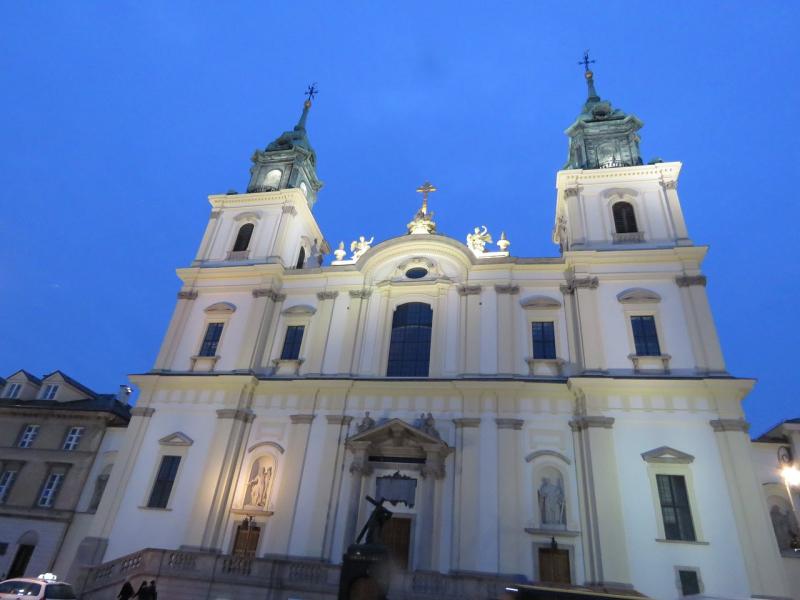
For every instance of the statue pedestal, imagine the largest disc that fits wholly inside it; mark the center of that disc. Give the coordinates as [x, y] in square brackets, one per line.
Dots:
[365, 573]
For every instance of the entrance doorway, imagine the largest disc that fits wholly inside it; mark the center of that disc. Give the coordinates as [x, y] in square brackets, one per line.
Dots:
[21, 560]
[245, 544]
[554, 565]
[396, 535]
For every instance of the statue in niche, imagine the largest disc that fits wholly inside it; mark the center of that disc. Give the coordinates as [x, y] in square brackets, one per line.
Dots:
[360, 246]
[785, 526]
[315, 258]
[258, 485]
[366, 423]
[551, 502]
[562, 232]
[477, 240]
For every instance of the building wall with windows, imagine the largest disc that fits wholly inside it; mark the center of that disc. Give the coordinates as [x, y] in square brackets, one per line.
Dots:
[513, 404]
[52, 430]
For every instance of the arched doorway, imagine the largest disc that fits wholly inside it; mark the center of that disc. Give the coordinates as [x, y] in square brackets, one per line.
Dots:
[25, 547]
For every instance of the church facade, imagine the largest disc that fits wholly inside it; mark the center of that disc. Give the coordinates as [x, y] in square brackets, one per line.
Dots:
[566, 419]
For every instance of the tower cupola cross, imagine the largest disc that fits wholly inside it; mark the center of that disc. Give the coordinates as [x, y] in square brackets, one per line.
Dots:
[586, 62]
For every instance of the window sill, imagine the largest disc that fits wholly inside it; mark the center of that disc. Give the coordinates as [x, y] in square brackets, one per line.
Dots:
[155, 508]
[241, 255]
[204, 363]
[692, 542]
[287, 367]
[546, 366]
[547, 532]
[658, 362]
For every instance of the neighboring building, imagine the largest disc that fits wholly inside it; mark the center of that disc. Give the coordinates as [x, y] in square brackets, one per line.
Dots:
[56, 437]
[775, 454]
[565, 419]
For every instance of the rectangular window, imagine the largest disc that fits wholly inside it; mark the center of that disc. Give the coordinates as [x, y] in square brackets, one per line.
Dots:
[544, 339]
[28, 436]
[165, 478]
[12, 391]
[675, 508]
[50, 391]
[211, 341]
[73, 438]
[7, 479]
[690, 582]
[50, 489]
[644, 336]
[292, 341]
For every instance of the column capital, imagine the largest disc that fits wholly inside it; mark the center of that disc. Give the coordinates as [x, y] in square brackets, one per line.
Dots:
[719, 425]
[689, 280]
[586, 422]
[187, 295]
[362, 294]
[338, 419]
[465, 422]
[469, 290]
[237, 414]
[669, 184]
[574, 283]
[301, 419]
[289, 209]
[515, 424]
[142, 411]
[507, 289]
[327, 295]
[269, 293]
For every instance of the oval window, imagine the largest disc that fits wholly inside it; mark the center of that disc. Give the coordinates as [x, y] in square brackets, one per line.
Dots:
[416, 273]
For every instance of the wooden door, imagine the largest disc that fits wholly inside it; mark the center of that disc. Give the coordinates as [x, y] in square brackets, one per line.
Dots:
[397, 537]
[246, 542]
[554, 565]
[21, 559]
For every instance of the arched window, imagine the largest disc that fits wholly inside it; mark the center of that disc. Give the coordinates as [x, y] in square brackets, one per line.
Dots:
[624, 218]
[243, 237]
[273, 179]
[301, 259]
[410, 347]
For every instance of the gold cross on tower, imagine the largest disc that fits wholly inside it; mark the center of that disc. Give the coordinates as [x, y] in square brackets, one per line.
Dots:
[425, 189]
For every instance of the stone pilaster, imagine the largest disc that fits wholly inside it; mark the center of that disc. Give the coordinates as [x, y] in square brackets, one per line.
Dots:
[177, 325]
[469, 326]
[320, 328]
[259, 321]
[510, 523]
[605, 547]
[466, 536]
[670, 189]
[760, 552]
[506, 306]
[360, 469]
[581, 297]
[290, 474]
[349, 359]
[698, 312]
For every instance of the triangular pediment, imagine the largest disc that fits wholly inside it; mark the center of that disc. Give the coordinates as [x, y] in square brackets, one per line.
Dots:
[396, 433]
[176, 439]
[665, 454]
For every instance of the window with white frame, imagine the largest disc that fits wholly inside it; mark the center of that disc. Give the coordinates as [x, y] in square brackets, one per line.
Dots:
[50, 490]
[28, 436]
[50, 391]
[12, 390]
[211, 339]
[165, 479]
[645, 335]
[7, 479]
[73, 438]
[544, 339]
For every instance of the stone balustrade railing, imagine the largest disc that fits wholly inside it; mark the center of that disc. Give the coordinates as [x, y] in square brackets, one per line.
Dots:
[182, 575]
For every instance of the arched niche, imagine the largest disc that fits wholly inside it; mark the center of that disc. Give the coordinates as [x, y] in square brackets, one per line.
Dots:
[221, 308]
[784, 523]
[257, 481]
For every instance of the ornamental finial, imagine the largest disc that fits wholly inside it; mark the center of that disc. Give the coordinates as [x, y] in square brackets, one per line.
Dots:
[312, 91]
[423, 220]
[587, 72]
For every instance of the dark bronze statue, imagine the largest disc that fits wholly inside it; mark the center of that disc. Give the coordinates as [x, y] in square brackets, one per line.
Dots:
[366, 568]
[374, 525]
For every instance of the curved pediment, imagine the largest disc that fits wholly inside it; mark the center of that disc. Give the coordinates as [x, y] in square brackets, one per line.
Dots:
[638, 296]
[539, 302]
[221, 308]
[409, 246]
[396, 433]
[300, 309]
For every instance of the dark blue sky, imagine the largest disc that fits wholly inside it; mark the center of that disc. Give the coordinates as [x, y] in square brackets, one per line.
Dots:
[118, 119]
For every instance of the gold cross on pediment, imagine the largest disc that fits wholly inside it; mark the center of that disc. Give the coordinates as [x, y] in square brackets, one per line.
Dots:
[425, 189]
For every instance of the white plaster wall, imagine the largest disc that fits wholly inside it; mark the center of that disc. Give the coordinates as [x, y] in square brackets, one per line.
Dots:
[652, 563]
[50, 534]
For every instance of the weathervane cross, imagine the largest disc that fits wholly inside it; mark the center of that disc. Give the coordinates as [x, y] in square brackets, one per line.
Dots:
[586, 62]
[311, 91]
[425, 189]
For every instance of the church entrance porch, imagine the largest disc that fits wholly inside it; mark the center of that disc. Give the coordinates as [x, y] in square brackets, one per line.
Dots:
[554, 565]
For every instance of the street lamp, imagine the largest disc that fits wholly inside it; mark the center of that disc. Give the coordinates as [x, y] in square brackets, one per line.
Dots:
[791, 476]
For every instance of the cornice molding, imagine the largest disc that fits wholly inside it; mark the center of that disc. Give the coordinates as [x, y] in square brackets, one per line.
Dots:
[466, 422]
[142, 411]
